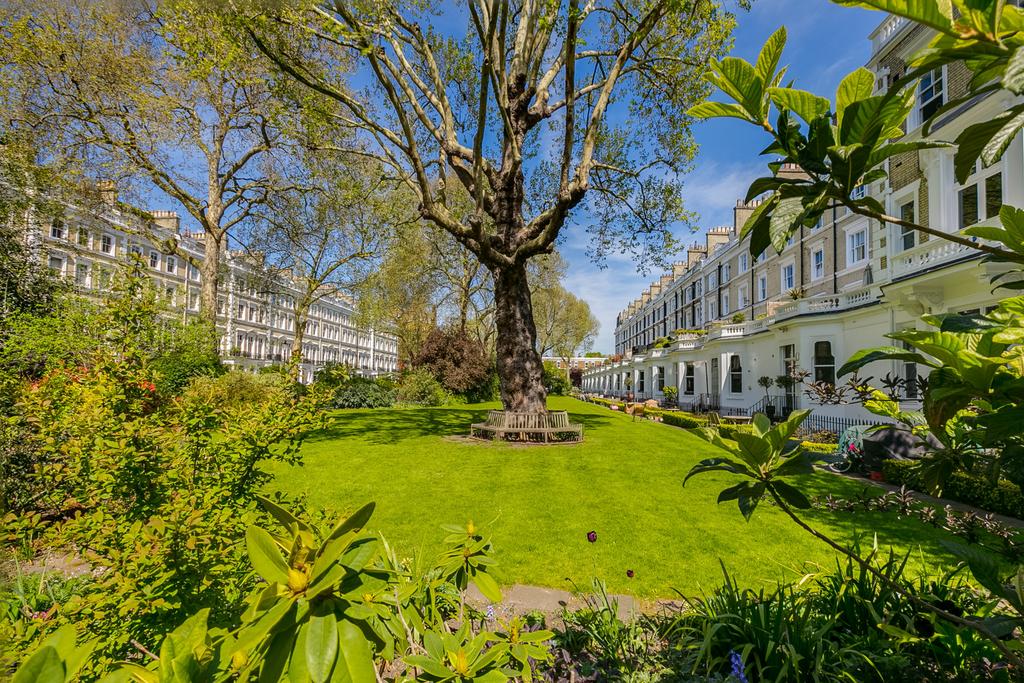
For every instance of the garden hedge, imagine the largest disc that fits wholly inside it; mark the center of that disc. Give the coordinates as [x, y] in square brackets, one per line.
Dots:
[815, 447]
[1005, 498]
[682, 420]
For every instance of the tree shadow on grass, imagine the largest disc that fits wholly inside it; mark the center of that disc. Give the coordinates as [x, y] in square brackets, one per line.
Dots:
[393, 425]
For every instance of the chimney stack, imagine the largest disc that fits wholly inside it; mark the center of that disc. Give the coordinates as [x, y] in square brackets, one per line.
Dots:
[168, 220]
[108, 192]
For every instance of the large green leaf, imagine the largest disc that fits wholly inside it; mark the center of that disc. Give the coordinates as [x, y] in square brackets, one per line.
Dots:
[785, 219]
[1013, 78]
[747, 494]
[985, 138]
[891, 149]
[710, 110]
[754, 450]
[998, 144]
[771, 53]
[321, 647]
[355, 661]
[783, 431]
[356, 521]
[797, 463]
[265, 557]
[756, 225]
[937, 14]
[283, 517]
[857, 85]
[738, 79]
[487, 585]
[44, 666]
[430, 666]
[791, 495]
[984, 568]
[181, 649]
[806, 105]
[867, 356]
[717, 464]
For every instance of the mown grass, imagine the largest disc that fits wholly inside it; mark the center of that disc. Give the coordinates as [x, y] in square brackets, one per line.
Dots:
[538, 503]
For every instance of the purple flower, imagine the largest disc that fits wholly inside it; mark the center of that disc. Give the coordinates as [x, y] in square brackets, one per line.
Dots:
[630, 573]
[592, 536]
[737, 666]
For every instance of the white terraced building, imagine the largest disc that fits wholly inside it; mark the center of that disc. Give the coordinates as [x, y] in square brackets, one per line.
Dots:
[255, 314]
[836, 288]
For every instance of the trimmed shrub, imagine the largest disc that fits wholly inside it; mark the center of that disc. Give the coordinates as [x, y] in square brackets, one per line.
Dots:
[682, 420]
[419, 387]
[363, 392]
[730, 431]
[1005, 498]
[815, 447]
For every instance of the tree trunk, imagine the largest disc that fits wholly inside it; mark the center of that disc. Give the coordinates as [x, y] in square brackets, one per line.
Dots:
[210, 277]
[301, 315]
[519, 365]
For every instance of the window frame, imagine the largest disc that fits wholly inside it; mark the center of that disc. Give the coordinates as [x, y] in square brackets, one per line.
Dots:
[790, 284]
[850, 247]
[735, 374]
[828, 367]
[920, 103]
[818, 269]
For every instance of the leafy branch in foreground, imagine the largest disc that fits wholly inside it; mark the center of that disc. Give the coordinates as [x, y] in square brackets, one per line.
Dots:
[760, 457]
[337, 606]
[842, 146]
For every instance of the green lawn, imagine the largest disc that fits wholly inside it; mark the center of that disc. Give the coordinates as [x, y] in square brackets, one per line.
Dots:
[538, 503]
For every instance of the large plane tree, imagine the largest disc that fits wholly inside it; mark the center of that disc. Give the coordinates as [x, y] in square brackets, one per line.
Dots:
[540, 109]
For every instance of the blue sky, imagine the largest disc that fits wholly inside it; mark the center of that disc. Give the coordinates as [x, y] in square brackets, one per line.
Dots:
[825, 43]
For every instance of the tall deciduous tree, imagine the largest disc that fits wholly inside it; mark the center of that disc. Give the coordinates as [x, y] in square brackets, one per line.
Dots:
[537, 106]
[325, 235]
[565, 324]
[153, 91]
[404, 292]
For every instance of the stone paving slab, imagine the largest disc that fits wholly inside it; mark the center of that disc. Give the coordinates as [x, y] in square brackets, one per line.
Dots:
[520, 599]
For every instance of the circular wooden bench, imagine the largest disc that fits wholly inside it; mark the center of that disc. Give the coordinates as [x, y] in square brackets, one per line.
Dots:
[548, 428]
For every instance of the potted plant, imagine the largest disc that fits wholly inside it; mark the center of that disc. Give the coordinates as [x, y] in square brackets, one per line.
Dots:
[766, 383]
[786, 383]
[671, 393]
[738, 318]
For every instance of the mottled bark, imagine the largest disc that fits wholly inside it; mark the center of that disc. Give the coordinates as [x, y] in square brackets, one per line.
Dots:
[210, 278]
[519, 365]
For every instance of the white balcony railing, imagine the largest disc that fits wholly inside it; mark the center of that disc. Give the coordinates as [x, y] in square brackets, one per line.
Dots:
[829, 302]
[886, 31]
[928, 255]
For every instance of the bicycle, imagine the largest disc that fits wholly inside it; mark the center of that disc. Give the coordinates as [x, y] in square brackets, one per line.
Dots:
[852, 459]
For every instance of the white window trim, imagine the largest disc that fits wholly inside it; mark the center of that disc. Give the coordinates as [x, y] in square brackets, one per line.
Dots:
[977, 178]
[915, 120]
[782, 276]
[818, 250]
[850, 261]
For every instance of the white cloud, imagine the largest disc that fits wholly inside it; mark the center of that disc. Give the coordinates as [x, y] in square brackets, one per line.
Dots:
[713, 187]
